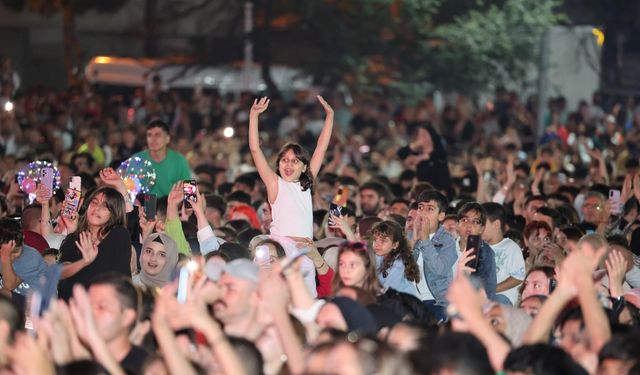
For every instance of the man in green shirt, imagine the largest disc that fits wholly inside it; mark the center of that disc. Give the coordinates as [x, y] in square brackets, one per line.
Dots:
[169, 165]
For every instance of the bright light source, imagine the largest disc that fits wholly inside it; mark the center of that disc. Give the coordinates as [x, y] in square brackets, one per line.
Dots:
[8, 106]
[192, 266]
[599, 34]
[364, 149]
[228, 132]
[102, 60]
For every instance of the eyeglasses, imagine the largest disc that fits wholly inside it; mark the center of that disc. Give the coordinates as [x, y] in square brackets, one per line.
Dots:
[593, 206]
[293, 161]
[470, 220]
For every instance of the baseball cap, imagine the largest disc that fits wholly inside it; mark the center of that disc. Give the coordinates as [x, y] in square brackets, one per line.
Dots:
[243, 269]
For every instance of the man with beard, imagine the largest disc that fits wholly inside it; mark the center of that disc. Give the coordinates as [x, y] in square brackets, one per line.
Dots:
[373, 198]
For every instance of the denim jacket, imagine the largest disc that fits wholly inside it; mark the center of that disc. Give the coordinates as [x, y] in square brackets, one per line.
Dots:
[396, 278]
[438, 257]
[486, 271]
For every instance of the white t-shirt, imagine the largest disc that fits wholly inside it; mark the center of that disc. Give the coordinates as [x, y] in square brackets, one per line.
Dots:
[509, 262]
[292, 212]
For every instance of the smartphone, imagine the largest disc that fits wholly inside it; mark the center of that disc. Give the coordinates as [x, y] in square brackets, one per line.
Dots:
[614, 199]
[72, 198]
[46, 179]
[189, 190]
[473, 242]
[262, 254]
[334, 210]
[183, 284]
[339, 201]
[150, 205]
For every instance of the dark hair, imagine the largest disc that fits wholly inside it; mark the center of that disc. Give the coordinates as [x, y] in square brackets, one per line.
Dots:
[306, 178]
[81, 367]
[29, 214]
[10, 231]
[279, 249]
[569, 213]
[381, 189]
[473, 206]
[88, 156]
[623, 347]
[239, 196]
[555, 216]
[573, 233]
[230, 234]
[541, 359]
[460, 352]
[159, 124]
[496, 211]
[238, 225]
[252, 360]
[246, 179]
[216, 202]
[115, 205]
[127, 293]
[51, 251]
[434, 196]
[246, 235]
[394, 232]
[617, 239]
[11, 313]
[420, 188]
[532, 198]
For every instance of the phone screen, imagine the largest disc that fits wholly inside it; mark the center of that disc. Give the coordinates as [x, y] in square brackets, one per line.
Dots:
[150, 204]
[473, 242]
[189, 190]
[262, 254]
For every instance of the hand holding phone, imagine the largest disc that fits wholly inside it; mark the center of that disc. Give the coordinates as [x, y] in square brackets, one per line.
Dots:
[150, 206]
[72, 198]
[189, 190]
[473, 243]
[46, 179]
[615, 201]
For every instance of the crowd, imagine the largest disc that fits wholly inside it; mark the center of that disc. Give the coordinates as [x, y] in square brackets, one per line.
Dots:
[324, 237]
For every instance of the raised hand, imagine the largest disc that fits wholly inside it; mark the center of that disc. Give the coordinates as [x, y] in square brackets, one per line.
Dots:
[5, 251]
[43, 194]
[146, 225]
[327, 108]
[109, 177]
[616, 266]
[636, 186]
[176, 195]
[87, 247]
[69, 223]
[259, 106]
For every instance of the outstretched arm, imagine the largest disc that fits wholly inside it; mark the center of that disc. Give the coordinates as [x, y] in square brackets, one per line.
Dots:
[323, 139]
[268, 176]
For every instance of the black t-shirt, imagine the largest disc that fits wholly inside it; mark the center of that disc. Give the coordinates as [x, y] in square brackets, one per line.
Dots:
[588, 227]
[132, 363]
[114, 255]
[435, 170]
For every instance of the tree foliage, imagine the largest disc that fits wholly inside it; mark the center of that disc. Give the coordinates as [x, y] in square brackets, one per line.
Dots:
[404, 46]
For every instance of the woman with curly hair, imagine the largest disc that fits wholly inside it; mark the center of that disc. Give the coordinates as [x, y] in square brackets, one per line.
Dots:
[396, 267]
